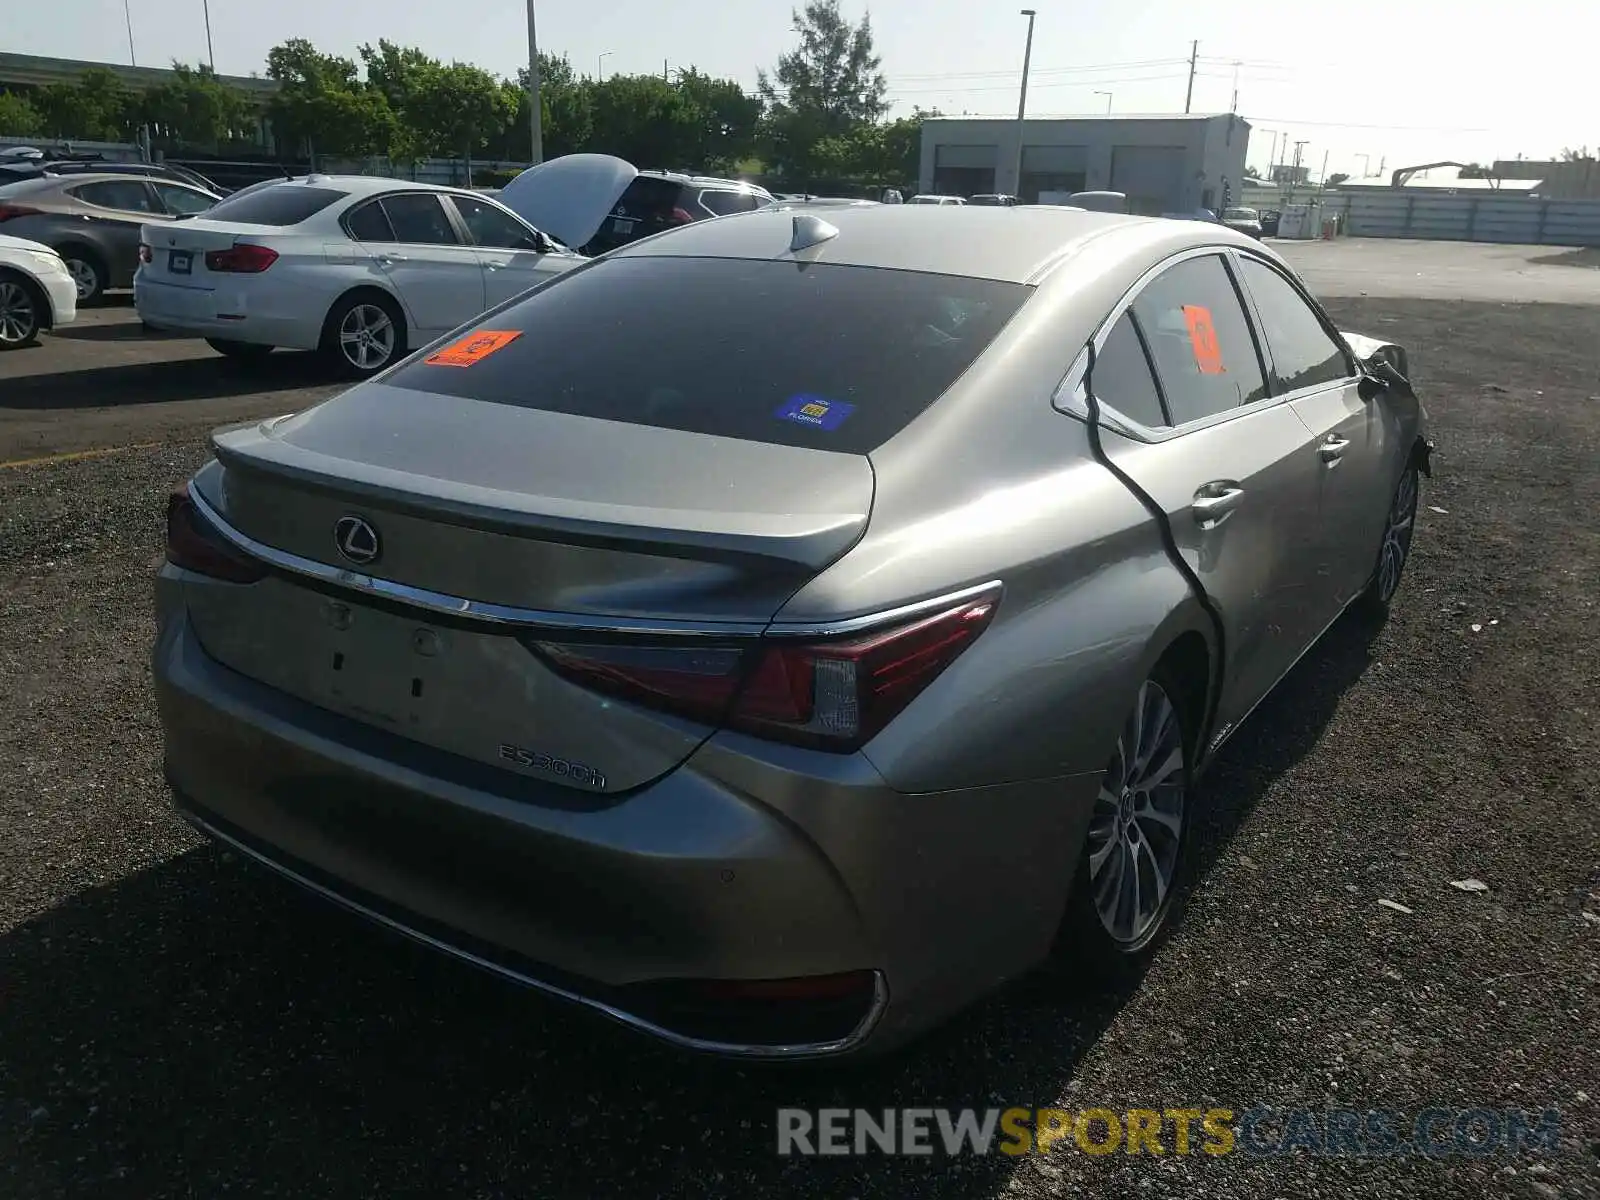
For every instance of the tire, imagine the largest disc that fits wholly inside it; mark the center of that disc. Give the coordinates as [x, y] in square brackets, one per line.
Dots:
[1395, 548]
[242, 351]
[88, 272]
[369, 313]
[1141, 819]
[22, 311]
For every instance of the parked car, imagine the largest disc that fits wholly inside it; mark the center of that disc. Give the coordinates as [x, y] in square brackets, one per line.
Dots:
[776, 660]
[638, 203]
[93, 221]
[1192, 214]
[1245, 220]
[360, 268]
[928, 198]
[1099, 201]
[1269, 221]
[16, 171]
[36, 291]
[991, 200]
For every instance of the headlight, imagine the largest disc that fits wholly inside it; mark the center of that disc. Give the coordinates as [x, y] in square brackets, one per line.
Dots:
[48, 262]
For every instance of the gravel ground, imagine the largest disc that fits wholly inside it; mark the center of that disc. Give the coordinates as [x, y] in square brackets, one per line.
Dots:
[175, 1023]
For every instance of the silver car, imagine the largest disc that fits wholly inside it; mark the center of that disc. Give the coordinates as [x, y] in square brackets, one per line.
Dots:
[777, 633]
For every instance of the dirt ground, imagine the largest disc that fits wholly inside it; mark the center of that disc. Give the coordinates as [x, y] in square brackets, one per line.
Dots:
[175, 1023]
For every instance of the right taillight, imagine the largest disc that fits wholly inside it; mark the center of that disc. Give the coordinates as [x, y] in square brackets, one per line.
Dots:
[832, 693]
[680, 216]
[241, 259]
[146, 254]
[193, 545]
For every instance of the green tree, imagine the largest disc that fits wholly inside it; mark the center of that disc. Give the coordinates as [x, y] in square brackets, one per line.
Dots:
[95, 107]
[323, 105]
[401, 74]
[1251, 173]
[721, 121]
[828, 87]
[566, 108]
[1335, 179]
[19, 118]
[457, 109]
[641, 118]
[195, 108]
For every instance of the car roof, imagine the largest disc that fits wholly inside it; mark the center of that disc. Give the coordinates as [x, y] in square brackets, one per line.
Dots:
[45, 183]
[1017, 245]
[363, 185]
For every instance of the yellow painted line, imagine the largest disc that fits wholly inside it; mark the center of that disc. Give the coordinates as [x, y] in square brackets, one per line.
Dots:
[76, 455]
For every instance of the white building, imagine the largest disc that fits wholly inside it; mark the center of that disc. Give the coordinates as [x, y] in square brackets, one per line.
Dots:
[1163, 163]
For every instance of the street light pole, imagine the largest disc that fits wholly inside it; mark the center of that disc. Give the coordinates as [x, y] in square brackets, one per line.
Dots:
[211, 55]
[535, 117]
[600, 63]
[1107, 95]
[128, 17]
[1022, 98]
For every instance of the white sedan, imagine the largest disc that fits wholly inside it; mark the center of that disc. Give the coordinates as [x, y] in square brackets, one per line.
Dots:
[36, 291]
[360, 268]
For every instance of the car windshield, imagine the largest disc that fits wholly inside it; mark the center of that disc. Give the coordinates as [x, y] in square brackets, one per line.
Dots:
[1241, 214]
[277, 204]
[832, 357]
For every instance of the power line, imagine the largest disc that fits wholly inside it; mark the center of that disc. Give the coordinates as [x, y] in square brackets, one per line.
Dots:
[1087, 68]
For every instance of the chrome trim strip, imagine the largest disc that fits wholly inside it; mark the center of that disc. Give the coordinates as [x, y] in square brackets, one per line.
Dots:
[887, 617]
[880, 989]
[533, 618]
[458, 606]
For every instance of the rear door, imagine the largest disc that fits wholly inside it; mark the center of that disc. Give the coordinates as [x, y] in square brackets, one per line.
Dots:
[1358, 443]
[118, 208]
[436, 275]
[1193, 423]
[508, 250]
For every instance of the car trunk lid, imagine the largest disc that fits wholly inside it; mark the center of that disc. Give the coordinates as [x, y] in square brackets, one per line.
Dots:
[178, 249]
[493, 525]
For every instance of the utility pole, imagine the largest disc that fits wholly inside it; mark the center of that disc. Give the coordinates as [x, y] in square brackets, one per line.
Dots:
[1272, 158]
[665, 73]
[1366, 164]
[128, 16]
[1324, 177]
[211, 55]
[535, 116]
[1194, 57]
[1022, 98]
[1236, 67]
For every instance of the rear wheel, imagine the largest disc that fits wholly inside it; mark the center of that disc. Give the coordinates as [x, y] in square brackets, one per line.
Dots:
[243, 351]
[88, 273]
[1128, 876]
[364, 334]
[21, 313]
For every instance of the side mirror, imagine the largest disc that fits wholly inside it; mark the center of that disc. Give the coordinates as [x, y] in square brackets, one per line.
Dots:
[1380, 375]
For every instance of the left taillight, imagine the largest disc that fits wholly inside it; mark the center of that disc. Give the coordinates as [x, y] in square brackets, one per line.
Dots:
[146, 254]
[195, 546]
[680, 216]
[831, 694]
[241, 259]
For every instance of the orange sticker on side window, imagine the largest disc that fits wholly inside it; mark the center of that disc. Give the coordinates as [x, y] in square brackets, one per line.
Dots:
[1203, 337]
[473, 348]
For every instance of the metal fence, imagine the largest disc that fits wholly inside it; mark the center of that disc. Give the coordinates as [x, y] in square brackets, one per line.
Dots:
[1473, 218]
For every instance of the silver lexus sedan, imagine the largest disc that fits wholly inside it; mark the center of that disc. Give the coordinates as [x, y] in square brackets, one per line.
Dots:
[778, 632]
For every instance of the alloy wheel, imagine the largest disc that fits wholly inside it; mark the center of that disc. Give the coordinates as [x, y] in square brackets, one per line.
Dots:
[366, 337]
[1136, 829]
[84, 277]
[1397, 536]
[19, 319]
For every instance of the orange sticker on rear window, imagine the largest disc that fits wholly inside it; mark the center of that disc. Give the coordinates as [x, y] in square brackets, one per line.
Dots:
[1203, 337]
[473, 348]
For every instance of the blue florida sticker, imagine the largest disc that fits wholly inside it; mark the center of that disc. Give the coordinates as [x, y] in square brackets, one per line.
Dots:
[815, 411]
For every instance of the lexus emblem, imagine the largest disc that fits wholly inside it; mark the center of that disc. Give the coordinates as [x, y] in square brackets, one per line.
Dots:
[357, 540]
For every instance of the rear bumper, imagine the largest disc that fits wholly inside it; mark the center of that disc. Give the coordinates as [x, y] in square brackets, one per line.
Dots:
[234, 316]
[725, 869]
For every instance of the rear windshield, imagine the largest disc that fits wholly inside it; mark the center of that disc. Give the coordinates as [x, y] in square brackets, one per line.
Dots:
[1241, 214]
[834, 357]
[286, 204]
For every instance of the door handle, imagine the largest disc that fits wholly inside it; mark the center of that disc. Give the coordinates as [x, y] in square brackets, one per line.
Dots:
[1332, 450]
[1214, 502]
[386, 259]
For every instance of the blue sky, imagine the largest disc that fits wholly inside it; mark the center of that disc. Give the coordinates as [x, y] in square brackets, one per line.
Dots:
[1390, 79]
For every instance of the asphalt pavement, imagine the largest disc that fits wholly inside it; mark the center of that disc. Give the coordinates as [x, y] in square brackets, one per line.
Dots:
[173, 1022]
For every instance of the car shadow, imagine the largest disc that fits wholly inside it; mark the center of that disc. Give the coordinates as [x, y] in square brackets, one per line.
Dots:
[157, 383]
[201, 1020]
[116, 331]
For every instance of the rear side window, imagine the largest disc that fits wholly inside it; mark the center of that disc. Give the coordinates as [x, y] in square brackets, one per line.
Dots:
[367, 223]
[124, 195]
[418, 217]
[648, 195]
[1122, 378]
[1303, 354]
[724, 203]
[182, 201]
[1204, 353]
[833, 357]
[283, 205]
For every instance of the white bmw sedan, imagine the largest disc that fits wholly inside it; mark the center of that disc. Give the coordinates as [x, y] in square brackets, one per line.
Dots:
[359, 268]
